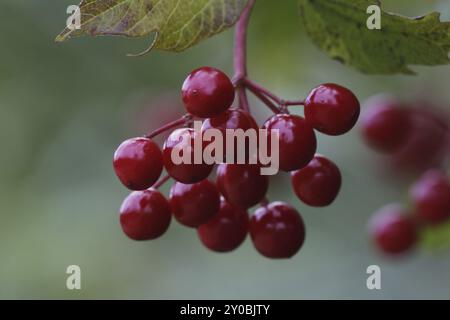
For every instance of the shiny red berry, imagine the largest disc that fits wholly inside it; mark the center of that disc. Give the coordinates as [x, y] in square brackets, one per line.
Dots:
[226, 230]
[242, 185]
[145, 215]
[232, 119]
[431, 197]
[179, 159]
[138, 163]
[194, 204]
[277, 230]
[393, 230]
[207, 92]
[318, 183]
[332, 109]
[385, 125]
[297, 140]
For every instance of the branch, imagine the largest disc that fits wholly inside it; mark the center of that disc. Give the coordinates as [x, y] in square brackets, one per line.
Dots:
[240, 45]
[240, 54]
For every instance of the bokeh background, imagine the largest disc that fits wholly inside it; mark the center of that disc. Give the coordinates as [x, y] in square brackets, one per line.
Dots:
[64, 109]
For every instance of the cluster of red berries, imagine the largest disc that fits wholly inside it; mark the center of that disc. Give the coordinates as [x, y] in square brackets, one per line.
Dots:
[396, 229]
[219, 211]
[416, 139]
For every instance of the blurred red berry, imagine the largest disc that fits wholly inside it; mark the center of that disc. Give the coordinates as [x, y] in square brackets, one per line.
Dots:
[393, 230]
[385, 125]
[431, 197]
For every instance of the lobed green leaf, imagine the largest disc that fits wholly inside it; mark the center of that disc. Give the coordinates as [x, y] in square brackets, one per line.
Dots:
[178, 24]
[339, 27]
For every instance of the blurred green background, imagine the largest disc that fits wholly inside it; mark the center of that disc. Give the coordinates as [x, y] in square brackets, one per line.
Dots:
[65, 108]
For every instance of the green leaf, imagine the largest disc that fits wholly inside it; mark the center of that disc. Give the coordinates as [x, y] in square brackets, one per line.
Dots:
[339, 27]
[178, 24]
[436, 238]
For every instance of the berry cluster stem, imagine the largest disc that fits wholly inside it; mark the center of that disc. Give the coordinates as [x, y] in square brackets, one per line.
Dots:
[264, 99]
[240, 55]
[253, 86]
[161, 182]
[241, 80]
[184, 120]
[288, 103]
[264, 202]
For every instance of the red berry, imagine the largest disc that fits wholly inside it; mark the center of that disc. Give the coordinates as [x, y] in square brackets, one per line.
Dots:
[232, 119]
[297, 140]
[332, 109]
[242, 185]
[277, 230]
[393, 230]
[431, 197]
[145, 215]
[207, 92]
[183, 141]
[426, 145]
[138, 163]
[318, 183]
[194, 204]
[385, 125]
[226, 230]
